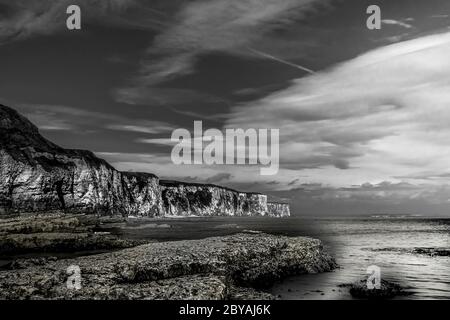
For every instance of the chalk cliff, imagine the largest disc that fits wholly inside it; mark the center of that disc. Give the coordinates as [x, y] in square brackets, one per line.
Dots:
[277, 209]
[184, 199]
[39, 176]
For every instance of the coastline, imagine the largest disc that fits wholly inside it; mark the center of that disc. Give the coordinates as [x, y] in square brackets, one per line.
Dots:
[235, 266]
[354, 243]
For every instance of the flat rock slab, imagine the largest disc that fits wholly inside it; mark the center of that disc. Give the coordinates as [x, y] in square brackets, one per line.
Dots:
[211, 268]
[56, 222]
[56, 232]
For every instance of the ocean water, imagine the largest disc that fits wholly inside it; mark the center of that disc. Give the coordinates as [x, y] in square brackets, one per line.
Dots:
[356, 243]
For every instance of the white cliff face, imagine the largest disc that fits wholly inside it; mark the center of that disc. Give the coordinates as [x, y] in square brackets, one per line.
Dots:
[182, 199]
[38, 176]
[276, 209]
[186, 199]
[144, 190]
[72, 182]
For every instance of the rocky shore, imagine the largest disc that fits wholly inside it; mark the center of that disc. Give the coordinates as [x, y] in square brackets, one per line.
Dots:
[55, 233]
[230, 267]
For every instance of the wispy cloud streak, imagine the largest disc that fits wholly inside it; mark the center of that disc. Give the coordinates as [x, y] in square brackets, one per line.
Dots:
[271, 57]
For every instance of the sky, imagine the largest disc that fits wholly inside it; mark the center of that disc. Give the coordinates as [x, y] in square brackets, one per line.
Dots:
[363, 114]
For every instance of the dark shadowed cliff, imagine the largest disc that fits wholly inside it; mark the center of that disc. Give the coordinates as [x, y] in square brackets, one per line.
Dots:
[39, 176]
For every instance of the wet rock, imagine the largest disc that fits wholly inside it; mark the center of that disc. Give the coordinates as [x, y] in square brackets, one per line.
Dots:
[387, 290]
[440, 252]
[211, 268]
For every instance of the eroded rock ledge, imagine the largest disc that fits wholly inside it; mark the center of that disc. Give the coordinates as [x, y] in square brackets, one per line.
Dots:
[214, 268]
[57, 233]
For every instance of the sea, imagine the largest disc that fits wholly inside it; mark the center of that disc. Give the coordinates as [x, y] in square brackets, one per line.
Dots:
[357, 243]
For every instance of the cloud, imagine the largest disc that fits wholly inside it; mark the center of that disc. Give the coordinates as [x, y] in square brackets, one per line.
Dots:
[185, 30]
[160, 141]
[382, 190]
[201, 27]
[381, 115]
[440, 16]
[24, 18]
[60, 117]
[370, 199]
[241, 177]
[65, 118]
[396, 23]
[305, 198]
[150, 127]
[427, 176]
[161, 97]
[220, 177]
[218, 25]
